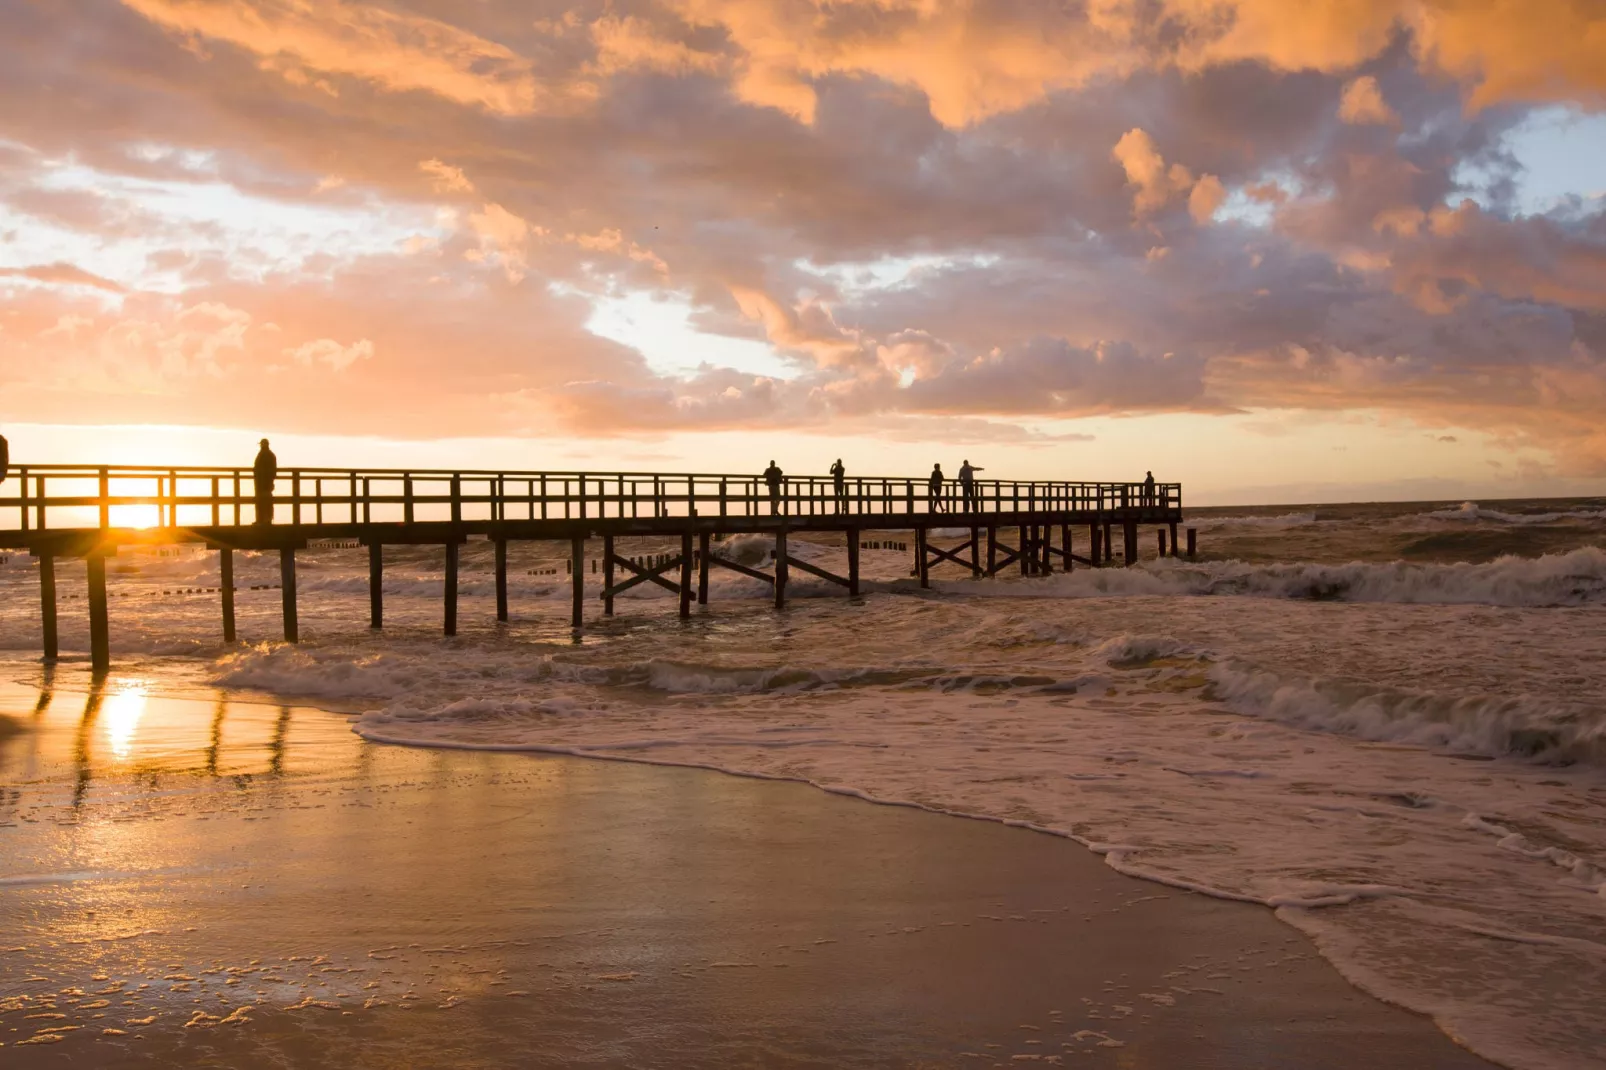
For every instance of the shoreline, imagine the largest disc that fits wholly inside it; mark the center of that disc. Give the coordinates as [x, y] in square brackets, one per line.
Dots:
[1082, 868]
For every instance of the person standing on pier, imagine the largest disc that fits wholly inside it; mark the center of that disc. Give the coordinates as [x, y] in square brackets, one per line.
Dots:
[839, 483]
[263, 473]
[967, 483]
[773, 476]
[1148, 489]
[935, 485]
[5, 458]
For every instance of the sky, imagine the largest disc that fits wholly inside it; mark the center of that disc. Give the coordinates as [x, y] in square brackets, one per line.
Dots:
[1335, 250]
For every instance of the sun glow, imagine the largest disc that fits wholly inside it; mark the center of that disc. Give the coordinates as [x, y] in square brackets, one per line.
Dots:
[122, 713]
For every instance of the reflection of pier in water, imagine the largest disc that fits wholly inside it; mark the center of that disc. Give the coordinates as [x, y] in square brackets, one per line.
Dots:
[66, 511]
[110, 721]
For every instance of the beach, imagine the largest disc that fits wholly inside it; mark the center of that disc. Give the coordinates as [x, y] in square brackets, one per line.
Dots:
[234, 884]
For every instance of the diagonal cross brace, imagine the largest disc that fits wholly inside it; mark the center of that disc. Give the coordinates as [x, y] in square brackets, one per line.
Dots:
[721, 562]
[1007, 557]
[939, 555]
[815, 570]
[644, 575]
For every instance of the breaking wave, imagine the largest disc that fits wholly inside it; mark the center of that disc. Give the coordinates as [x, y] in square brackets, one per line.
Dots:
[1571, 579]
[1472, 512]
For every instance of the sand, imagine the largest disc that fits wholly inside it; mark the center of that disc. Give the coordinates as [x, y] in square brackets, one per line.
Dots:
[241, 885]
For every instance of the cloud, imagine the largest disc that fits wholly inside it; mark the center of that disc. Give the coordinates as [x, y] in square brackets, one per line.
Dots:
[63, 274]
[979, 215]
[1363, 103]
[445, 178]
[331, 353]
[303, 41]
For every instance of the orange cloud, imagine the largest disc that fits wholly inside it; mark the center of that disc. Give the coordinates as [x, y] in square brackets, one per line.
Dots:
[346, 38]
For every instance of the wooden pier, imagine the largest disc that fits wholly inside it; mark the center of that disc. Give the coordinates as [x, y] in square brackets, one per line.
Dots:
[70, 511]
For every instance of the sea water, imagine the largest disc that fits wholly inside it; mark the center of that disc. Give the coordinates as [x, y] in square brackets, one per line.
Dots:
[1385, 722]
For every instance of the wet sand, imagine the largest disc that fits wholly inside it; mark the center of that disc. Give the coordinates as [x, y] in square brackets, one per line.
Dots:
[240, 885]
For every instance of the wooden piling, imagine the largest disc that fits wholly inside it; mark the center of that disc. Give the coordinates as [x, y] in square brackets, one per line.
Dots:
[1174, 551]
[376, 585]
[1025, 550]
[501, 580]
[577, 574]
[992, 551]
[607, 575]
[47, 605]
[1129, 531]
[1065, 547]
[975, 553]
[1193, 544]
[1109, 543]
[924, 567]
[1161, 534]
[853, 564]
[100, 658]
[780, 569]
[686, 593]
[225, 577]
[287, 580]
[451, 589]
[1045, 546]
[1095, 545]
[702, 568]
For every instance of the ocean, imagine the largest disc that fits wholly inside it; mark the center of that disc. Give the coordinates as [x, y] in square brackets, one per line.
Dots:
[1386, 722]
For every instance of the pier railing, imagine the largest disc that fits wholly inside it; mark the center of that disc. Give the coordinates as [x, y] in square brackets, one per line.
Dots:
[55, 497]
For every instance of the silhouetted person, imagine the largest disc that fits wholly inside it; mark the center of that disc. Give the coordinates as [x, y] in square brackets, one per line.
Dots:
[1148, 489]
[839, 482]
[935, 484]
[773, 476]
[967, 483]
[263, 473]
[5, 458]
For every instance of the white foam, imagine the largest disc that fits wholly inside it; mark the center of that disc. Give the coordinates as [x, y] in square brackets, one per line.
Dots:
[1574, 578]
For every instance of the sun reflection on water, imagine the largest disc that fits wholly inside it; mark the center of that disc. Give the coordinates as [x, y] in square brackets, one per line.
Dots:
[121, 715]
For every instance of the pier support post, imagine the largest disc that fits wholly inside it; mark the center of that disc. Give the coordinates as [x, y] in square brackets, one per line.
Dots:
[1161, 534]
[1193, 543]
[992, 551]
[577, 575]
[1095, 546]
[376, 585]
[975, 553]
[685, 575]
[853, 563]
[287, 580]
[924, 567]
[47, 605]
[702, 568]
[225, 579]
[100, 658]
[501, 580]
[607, 575]
[780, 569]
[1109, 543]
[1065, 546]
[1025, 550]
[451, 589]
[1130, 542]
[1045, 544]
[1174, 551]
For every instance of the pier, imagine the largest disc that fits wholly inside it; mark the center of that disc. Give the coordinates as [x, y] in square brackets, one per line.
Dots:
[90, 512]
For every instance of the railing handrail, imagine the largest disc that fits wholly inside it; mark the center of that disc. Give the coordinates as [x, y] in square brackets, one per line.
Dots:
[88, 471]
[94, 494]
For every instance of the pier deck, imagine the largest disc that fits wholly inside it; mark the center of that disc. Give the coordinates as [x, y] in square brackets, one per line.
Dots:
[90, 512]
